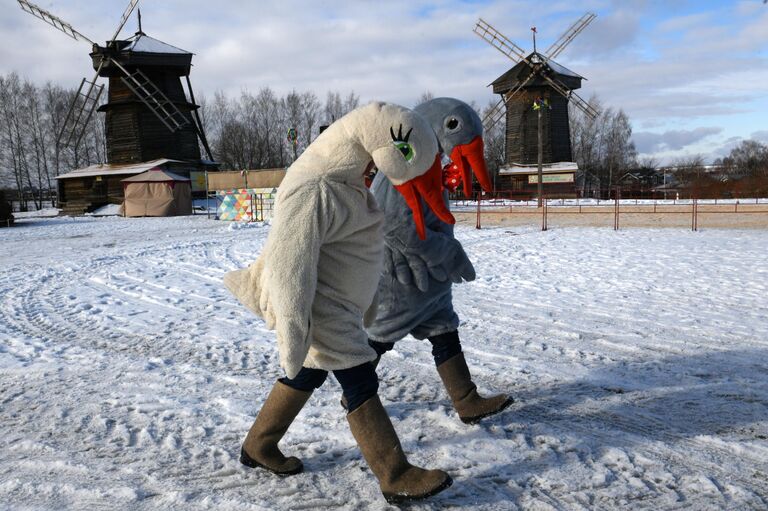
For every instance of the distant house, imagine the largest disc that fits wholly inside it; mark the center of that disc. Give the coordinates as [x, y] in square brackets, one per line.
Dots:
[558, 180]
[644, 177]
[587, 184]
[640, 183]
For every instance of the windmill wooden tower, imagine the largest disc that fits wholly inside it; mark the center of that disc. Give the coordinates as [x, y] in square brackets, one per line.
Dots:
[148, 116]
[535, 77]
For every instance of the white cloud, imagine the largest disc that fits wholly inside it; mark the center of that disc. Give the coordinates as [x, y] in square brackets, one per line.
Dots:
[665, 67]
[673, 140]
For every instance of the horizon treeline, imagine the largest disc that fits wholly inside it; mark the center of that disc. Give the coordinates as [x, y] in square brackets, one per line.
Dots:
[251, 131]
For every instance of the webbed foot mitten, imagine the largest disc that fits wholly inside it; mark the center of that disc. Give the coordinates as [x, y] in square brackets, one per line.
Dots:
[399, 480]
[260, 446]
[470, 406]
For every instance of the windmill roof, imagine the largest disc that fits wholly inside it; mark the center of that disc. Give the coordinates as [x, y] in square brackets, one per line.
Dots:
[513, 73]
[560, 69]
[142, 43]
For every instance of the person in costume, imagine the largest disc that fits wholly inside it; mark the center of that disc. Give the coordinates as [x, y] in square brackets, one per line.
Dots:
[317, 275]
[414, 295]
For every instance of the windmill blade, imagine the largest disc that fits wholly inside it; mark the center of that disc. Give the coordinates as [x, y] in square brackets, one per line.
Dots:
[52, 20]
[149, 94]
[561, 89]
[493, 117]
[568, 36]
[584, 106]
[80, 112]
[499, 41]
[199, 122]
[497, 112]
[124, 18]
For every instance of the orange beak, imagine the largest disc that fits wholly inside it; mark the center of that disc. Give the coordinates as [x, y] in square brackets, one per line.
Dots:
[471, 158]
[427, 186]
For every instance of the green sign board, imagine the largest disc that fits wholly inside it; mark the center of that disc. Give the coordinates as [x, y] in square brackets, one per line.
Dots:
[551, 178]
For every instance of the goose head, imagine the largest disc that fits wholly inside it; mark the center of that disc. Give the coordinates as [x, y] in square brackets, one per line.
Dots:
[402, 144]
[460, 133]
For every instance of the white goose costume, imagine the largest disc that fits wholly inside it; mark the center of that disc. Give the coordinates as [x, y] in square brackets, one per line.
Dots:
[320, 267]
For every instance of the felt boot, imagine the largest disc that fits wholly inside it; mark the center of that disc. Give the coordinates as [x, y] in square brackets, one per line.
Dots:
[470, 406]
[278, 412]
[399, 480]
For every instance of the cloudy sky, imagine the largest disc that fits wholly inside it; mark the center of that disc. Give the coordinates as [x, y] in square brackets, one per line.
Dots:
[691, 74]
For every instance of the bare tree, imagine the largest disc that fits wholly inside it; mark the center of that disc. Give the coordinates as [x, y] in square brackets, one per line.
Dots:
[250, 132]
[749, 159]
[14, 140]
[427, 95]
[602, 146]
[335, 107]
[689, 173]
[494, 140]
[310, 113]
[619, 153]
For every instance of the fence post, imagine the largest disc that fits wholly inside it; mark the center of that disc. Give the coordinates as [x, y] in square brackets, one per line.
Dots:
[207, 197]
[477, 225]
[694, 215]
[543, 213]
[616, 209]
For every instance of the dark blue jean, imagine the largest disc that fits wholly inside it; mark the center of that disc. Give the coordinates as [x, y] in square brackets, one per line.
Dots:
[444, 346]
[358, 383]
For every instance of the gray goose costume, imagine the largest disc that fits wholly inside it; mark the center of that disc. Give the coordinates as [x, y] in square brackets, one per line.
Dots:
[414, 294]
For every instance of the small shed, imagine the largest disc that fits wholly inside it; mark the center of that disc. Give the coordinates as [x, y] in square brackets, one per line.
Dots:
[157, 193]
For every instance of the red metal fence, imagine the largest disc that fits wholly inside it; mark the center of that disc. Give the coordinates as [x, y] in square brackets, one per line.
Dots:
[517, 205]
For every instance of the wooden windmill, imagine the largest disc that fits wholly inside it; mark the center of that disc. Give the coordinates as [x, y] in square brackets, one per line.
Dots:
[148, 115]
[543, 136]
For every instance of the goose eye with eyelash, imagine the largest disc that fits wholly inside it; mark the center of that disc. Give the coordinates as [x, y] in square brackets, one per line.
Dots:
[406, 150]
[452, 124]
[401, 143]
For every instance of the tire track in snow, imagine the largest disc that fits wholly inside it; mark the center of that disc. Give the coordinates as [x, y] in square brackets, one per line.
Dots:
[44, 311]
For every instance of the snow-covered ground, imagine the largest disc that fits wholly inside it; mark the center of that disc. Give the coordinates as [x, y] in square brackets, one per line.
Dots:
[638, 359]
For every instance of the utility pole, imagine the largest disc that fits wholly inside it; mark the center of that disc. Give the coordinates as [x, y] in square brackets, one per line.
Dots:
[540, 159]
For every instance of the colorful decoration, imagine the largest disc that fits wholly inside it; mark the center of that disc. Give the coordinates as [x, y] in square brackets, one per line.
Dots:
[540, 103]
[246, 204]
[293, 136]
[451, 177]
